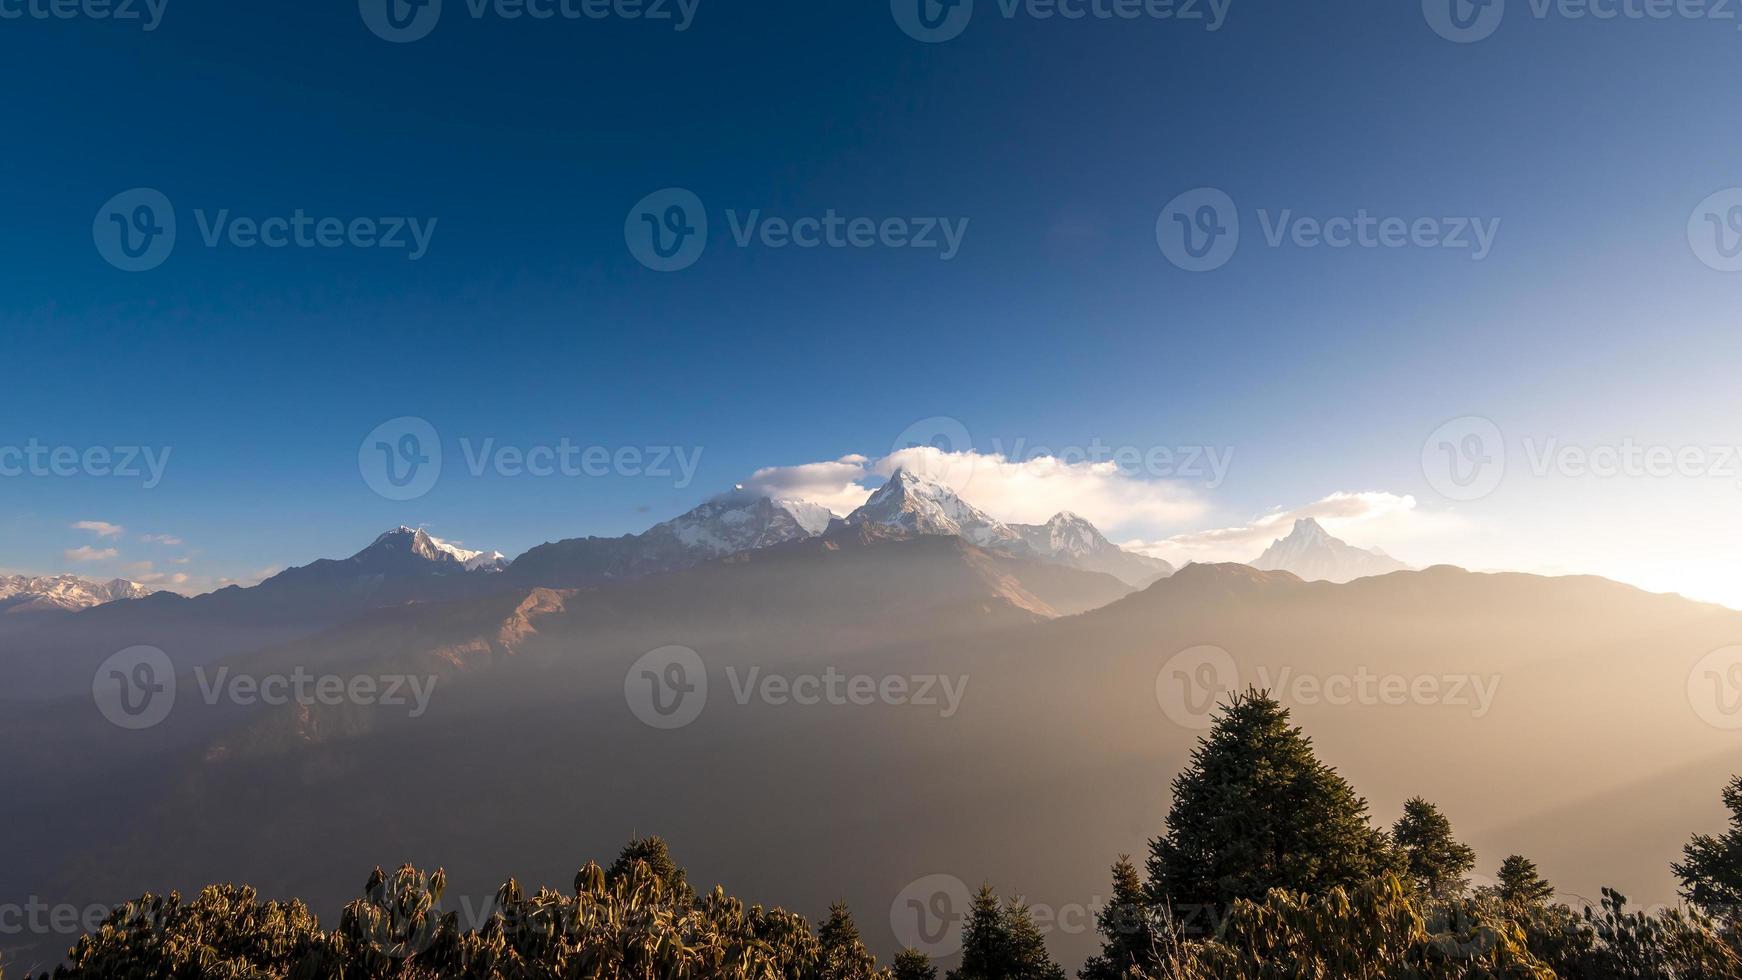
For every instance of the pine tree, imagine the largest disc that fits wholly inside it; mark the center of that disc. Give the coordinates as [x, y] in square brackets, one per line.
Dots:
[844, 956]
[653, 852]
[1128, 934]
[1255, 810]
[1438, 862]
[984, 939]
[911, 964]
[1001, 942]
[1711, 869]
[1521, 884]
[1027, 958]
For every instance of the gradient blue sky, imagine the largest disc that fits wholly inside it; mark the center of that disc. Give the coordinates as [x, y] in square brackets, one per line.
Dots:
[1060, 323]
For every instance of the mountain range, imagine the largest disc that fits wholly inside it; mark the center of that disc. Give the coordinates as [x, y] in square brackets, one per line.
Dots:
[52, 656]
[25, 594]
[410, 565]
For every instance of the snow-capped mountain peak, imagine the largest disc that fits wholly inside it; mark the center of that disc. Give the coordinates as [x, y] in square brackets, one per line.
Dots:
[740, 520]
[1312, 553]
[1065, 534]
[409, 542]
[1072, 540]
[47, 593]
[921, 505]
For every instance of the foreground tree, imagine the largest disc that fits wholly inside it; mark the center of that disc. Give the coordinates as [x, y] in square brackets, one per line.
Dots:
[1437, 861]
[1001, 942]
[1129, 938]
[1520, 884]
[1256, 810]
[652, 852]
[911, 964]
[1711, 867]
[843, 952]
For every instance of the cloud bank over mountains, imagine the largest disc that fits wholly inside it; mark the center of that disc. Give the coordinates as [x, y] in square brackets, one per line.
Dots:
[1022, 491]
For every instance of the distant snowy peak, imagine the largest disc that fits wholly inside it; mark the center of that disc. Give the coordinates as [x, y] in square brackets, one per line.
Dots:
[742, 521]
[404, 543]
[920, 505]
[1065, 535]
[474, 561]
[1072, 540]
[27, 594]
[1312, 553]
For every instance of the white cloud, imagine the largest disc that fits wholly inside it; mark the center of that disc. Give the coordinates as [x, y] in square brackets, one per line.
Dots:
[1018, 491]
[834, 484]
[87, 553]
[169, 539]
[1363, 519]
[159, 578]
[102, 529]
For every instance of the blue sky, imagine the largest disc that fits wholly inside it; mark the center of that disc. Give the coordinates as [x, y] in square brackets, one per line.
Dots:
[1060, 322]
